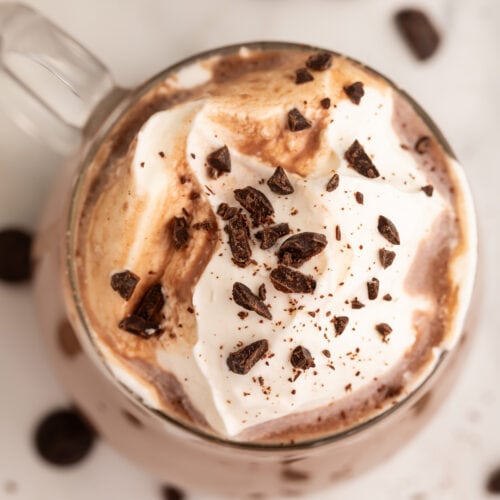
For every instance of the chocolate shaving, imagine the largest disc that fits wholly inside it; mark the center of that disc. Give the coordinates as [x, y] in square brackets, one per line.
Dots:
[359, 197]
[355, 92]
[139, 326]
[242, 360]
[226, 212]
[279, 183]
[180, 232]
[244, 297]
[256, 204]
[301, 247]
[384, 329]
[339, 323]
[320, 61]
[428, 190]
[326, 353]
[269, 235]
[373, 287]
[219, 162]
[301, 358]
[325, 103]
[124, 283]
[388, 230]
[289, 280]
[338, 233]
[238, 231]
[387, 297]
[360, 161]
[333, 183]
[296, 121]
[303, 76]
[386, 257]
[423, 145]
[205, 225]
[151, 302]
[356, 304]
[262, 292]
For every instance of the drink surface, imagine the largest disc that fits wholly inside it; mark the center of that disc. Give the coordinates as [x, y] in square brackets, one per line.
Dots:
[270, 304]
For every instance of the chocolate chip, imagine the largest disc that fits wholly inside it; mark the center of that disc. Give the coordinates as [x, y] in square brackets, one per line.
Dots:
[423, 145]
[63, 437]
[180, 232]
[289, 280]
[256, 204]
[141, 327]
[373, 287]
[301, 358]
[388, 230]
[151, 303]
[384, 329]
[418, 31]
[296, 121]
[359, 197]
[333, 183]
[303, 76]
[242, 360]
[360, 161]
[238, 232]
[219, 162]
[338, 233]
[244, 297]
[269, 235]
[262, 292]
[356, 304]
[319, 61]
[15, 251]
[325, 103]
[386, 257]
[301, 247]
[428, 190]
[124, 283]
[339, 323]
[493, 483]
[387, 297]
[279, 183]
[172, 493]
[355, 92]
[226, 212]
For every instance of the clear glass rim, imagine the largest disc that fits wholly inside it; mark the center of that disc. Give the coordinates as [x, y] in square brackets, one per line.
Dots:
[69, 261]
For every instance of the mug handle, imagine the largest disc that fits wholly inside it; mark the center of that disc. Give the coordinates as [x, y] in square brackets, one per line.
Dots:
[50, 83]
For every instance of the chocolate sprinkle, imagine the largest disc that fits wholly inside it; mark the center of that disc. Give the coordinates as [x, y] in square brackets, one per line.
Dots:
[242, 360]
[296, 121]
[301, 358]
[325, 103]
[388, 230]
[15, 251]
[386, 257]
[262, 292]
[373, 287]
[256, 204]
[180, 232]
[428, 190]
[151, 303]
[320, 61]
[360, 161]
[423, 145]
[303, 76]
[269, 235]
[356, 304]
[339, 323]
[418, 31]
[333, 183]
[141, 327]
[355, 92]
[279, 183]
[124, 283]
[244, 297]
[289, 280]
[301, 247]
[219, 162]
[338, 233]
[226, 212]
[359, 197]
[384, 329]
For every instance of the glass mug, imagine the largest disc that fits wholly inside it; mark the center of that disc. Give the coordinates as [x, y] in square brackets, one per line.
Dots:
[168, 448]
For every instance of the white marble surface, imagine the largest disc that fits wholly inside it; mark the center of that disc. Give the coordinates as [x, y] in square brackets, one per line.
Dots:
[450, 459]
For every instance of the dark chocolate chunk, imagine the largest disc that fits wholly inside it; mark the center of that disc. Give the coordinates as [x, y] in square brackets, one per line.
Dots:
[360, 161]
[289, 280]
[296, 121]
[301, 247]
[15, 255]
[359, 197]
[238, 231]
[226, 212]
[355, 92]
[172, 493]
[262, 292]
[423, 145]
[151, 302]
[242, 360]
[180, 232]
[339, 323]
[387, 297]
[219, 162]
[418, 31]
[269, 235]
[356, 304]
[141, 327]
[338, 233]
[325, 103]
[428, 190]
[493, 483]
[388, 230]
[124, 283]
[303, 76]
[63, 437]
[301, 358]
[279, 183]
[373, 287]
[386, 257]
[244, 297]
[384, 329]
[319, 61]
[333, 183]
[256, 204]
